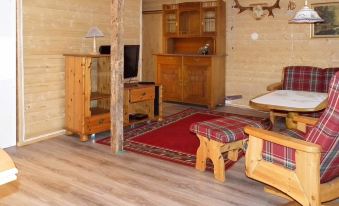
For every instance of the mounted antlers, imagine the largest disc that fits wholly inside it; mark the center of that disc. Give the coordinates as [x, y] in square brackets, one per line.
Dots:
[257, 8]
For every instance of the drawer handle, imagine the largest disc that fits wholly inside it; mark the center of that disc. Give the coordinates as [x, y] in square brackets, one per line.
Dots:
[101, 121]
[143, 94]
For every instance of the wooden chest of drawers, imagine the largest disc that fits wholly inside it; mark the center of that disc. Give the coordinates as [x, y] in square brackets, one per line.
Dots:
[97, 123]
[142, 99]
[141, 94]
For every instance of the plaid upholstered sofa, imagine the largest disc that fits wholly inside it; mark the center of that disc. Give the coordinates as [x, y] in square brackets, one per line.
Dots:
[305, 78]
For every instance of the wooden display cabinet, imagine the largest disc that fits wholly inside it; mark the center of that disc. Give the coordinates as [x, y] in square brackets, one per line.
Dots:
[186, 75]
[87, 94]
[192, 79]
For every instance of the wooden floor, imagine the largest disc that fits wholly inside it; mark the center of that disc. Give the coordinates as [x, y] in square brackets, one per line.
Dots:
[64, 171]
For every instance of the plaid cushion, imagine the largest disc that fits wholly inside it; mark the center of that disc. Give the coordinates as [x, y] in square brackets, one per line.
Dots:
[326, 134]
[227, 129]
[279, 154]
[328, 74]
[303, 78]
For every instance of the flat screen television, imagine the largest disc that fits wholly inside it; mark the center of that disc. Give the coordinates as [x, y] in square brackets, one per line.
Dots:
[131, 60]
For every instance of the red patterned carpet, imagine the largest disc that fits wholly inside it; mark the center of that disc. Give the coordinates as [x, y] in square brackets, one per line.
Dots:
[170, 139]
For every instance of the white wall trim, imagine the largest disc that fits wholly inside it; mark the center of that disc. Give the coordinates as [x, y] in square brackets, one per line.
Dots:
[42, 137]
[20, 77]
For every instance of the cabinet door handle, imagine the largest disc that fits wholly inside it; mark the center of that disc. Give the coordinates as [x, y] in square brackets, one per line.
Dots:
[143, 94]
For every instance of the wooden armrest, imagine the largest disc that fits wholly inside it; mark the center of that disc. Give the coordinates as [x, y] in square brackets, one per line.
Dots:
[6, 161]
[283, 140]
[274, 86]
[306, 120]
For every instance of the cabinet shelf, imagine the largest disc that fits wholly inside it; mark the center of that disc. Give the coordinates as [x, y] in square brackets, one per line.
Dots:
[98, 110]
[98, 95]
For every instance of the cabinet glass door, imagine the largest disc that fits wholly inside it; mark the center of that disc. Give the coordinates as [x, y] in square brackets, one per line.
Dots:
[209, 17]
[170, 22]
[209, 21]
[100, 85]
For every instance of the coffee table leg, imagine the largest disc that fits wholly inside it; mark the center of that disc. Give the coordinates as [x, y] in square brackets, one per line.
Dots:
[289, 120]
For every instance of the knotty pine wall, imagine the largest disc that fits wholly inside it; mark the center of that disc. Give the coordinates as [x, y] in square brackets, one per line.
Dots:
[252, 65]
[50, 29]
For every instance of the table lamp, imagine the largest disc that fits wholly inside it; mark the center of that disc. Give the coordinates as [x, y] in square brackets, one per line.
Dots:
[94, 32]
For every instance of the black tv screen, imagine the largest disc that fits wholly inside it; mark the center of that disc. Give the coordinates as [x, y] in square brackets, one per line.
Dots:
[131, 60]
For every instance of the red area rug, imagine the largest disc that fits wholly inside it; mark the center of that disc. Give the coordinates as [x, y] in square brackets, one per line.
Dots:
[170, 139]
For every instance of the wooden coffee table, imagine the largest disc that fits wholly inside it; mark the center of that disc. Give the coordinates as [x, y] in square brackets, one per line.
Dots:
[291, 102]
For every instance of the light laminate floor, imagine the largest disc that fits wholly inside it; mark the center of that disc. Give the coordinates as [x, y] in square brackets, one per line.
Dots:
[64, 171]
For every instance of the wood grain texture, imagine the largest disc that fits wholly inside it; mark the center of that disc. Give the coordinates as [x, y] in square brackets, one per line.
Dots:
[50, 29]
[44, 74]
[150, 30]
[63, 171]
[252, 65]
[301, 184]
[117, 69]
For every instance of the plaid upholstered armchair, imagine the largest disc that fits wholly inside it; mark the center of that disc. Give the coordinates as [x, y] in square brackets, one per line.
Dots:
[303, 165]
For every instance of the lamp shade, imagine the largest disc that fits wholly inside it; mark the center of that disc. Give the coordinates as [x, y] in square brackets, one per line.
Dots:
[306, 15]
[94, 32]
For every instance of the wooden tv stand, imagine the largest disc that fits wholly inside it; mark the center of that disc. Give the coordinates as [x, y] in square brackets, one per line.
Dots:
[87, 96]
[142, 99]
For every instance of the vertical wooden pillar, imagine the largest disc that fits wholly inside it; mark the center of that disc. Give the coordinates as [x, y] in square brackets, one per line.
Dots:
[117, 63]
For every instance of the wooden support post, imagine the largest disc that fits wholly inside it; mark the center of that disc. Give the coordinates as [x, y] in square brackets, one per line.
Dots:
[117, 63]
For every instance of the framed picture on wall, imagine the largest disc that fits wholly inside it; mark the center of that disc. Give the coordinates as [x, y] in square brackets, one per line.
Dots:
[330, 27]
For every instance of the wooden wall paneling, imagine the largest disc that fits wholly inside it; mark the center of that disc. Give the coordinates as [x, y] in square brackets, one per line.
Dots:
[254, 64]
[151, 43]
[43, 99]
[132, 17]
[41, 109]
[117, 60]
